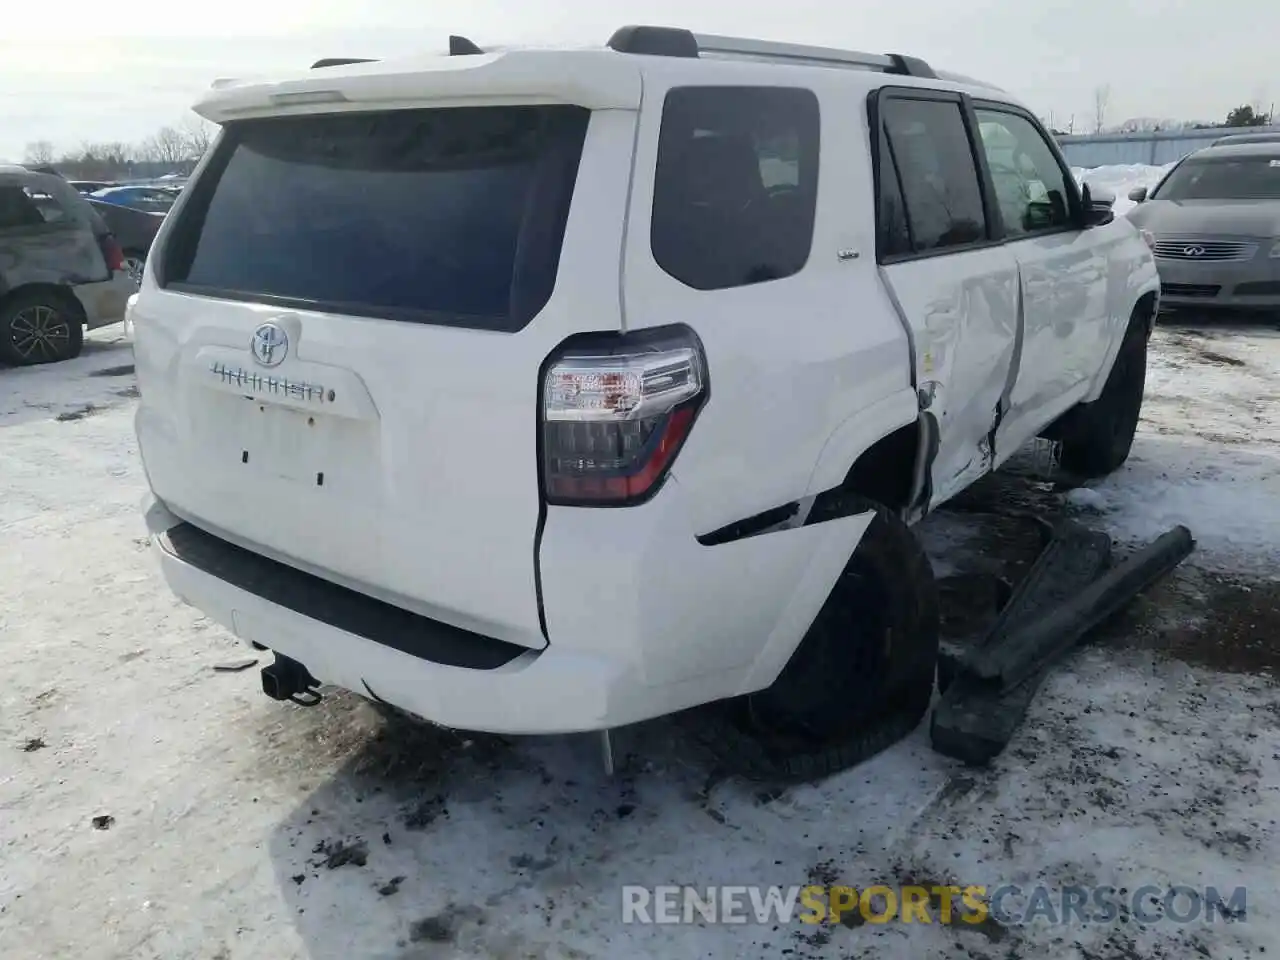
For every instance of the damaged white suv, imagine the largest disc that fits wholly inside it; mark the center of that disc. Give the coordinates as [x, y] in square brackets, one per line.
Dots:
[553, 390]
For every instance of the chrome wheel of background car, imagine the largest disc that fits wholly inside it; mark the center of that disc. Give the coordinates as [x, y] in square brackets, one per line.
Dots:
[133, 266]
[40, 334]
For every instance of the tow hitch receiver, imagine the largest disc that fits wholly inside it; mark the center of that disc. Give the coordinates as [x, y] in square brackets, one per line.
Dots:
[289, 680]
[1071, 589]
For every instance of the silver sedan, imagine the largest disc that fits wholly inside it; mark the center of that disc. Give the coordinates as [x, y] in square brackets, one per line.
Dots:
[1214, 222]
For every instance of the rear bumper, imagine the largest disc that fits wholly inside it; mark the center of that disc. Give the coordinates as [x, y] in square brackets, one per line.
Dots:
[643, 622]
[104, 303]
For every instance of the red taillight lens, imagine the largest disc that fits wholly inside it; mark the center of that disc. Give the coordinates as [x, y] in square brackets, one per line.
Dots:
[615, 413]
[112, 253]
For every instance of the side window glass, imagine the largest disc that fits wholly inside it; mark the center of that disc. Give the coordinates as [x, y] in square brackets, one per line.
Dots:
[18, 208]
[938, 173]
[1031, 187]
[895, 235]
[780, 161]
[51, 210]
[736, 184]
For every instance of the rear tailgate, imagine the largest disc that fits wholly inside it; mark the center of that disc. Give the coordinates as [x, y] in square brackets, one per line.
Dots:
[339, 347]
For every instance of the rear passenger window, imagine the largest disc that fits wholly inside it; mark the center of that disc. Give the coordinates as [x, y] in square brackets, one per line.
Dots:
[19, 207]
[51, 210]
[736, 184]
[895, 236]
[938, 174]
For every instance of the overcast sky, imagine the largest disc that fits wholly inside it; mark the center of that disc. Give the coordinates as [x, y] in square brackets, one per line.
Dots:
[84, 71]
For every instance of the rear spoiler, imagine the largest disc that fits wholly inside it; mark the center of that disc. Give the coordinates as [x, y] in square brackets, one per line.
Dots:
[594, 79]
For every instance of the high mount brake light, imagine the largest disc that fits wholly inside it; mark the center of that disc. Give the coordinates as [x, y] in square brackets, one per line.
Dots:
[615, 412]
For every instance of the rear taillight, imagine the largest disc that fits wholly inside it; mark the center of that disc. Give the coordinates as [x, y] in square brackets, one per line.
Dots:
[111, 252]
[615, 411]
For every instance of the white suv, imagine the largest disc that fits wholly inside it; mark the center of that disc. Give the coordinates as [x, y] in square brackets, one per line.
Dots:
[553, 390]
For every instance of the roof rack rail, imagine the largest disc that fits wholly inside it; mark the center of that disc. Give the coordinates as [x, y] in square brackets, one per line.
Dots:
[677, 42]
[339, 61]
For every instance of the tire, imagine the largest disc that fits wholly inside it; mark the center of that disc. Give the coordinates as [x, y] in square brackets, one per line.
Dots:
[39, 327]
[861, 679]
[1102, 435]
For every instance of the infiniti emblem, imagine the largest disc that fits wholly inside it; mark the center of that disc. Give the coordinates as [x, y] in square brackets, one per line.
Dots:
[1193, 251]
[270, 345]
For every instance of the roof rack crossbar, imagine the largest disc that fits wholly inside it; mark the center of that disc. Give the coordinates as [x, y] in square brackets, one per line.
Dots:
[675, 42]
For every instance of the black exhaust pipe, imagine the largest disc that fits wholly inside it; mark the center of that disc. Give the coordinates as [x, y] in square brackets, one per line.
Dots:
[289, 680]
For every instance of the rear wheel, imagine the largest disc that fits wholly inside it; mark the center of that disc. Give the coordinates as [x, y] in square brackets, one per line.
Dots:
[1102, 432]
[39, 327]
[862, 677]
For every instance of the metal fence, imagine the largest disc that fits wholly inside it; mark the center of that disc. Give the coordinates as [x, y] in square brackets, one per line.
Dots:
[1155, 148]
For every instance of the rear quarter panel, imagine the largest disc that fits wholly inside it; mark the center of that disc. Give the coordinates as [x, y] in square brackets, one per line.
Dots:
[792, 363]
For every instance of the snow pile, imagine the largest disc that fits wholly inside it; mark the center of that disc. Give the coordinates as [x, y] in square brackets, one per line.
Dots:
[1085, 498]
[1120, 179]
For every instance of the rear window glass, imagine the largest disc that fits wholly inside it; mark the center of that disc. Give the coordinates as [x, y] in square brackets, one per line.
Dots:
[451, 216]
[736, 184]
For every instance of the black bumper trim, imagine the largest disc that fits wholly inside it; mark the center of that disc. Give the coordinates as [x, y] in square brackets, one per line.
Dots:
[337, 606]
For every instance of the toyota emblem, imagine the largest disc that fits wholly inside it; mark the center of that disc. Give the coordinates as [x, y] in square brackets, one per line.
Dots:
[270, 345]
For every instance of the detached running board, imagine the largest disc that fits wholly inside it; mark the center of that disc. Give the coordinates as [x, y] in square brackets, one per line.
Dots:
[1071, 590]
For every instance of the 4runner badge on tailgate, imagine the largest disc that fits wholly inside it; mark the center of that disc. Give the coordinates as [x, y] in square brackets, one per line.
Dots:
[261, 383]
[270, 345]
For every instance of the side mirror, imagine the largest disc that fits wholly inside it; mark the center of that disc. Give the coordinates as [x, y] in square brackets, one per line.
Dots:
[1138, 194]
[1097, 205]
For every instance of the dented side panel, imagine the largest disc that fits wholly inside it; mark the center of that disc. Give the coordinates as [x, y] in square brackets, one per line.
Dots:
[963, 311]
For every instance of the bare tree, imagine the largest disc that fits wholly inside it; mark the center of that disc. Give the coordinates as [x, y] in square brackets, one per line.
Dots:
[1101, 100]
[39, 152]
[168, 145]
[198, 133]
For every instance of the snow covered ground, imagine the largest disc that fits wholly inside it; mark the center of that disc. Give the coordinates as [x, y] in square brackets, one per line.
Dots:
[240, 828]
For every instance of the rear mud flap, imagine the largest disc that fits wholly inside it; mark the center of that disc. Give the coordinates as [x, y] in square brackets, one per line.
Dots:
[1071, 590]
